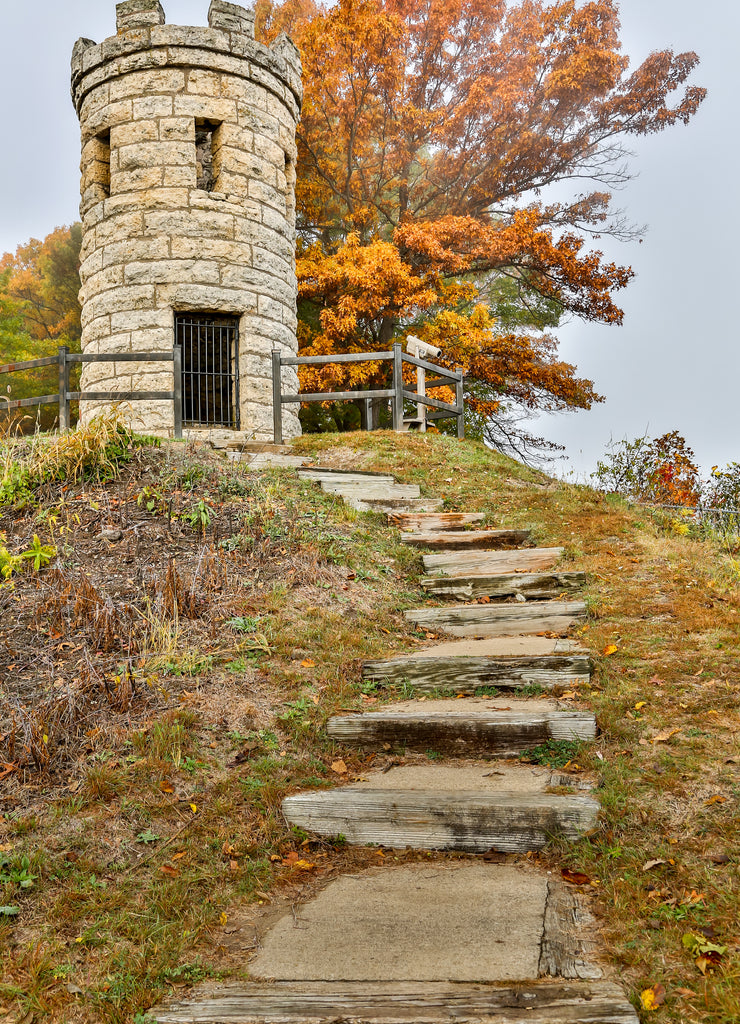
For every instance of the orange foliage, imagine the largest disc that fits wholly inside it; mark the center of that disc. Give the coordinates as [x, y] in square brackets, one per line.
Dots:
[429, 128]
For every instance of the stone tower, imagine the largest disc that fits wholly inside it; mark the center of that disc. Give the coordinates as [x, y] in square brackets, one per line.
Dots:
[188, 213]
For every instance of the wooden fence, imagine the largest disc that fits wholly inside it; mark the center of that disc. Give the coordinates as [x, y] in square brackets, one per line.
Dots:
[64, 359]
[397, 393]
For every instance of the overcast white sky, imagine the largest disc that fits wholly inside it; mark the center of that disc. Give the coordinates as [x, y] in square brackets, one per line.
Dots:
[675, 364]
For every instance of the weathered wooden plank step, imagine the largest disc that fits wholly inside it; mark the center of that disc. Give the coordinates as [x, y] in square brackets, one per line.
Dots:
[466, 540]
[482, 620]
[293, 1002]
[532, 585]
[463, 727]
[427, 671]
[437, 819]
[490, 563]
[363, 489]
[392, 505]
[345, 476]
[438, 521]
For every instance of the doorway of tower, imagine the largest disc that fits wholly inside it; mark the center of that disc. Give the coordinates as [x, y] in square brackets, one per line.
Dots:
[209, 343]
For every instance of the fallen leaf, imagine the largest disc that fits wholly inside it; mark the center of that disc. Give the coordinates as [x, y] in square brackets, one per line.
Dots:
[193, 808]
[684, 992]
[224, 917]
[291, 858]
[170, 870]
[304, 865]
[339, 767]
[609, 650]
[707, 963]
[166, 787]
[575, 877]
[641, 704]
[716, 799]
[652, 998]
[650, 864]
[233, 866]
[308, 663]
[664, 735]
[178, 856]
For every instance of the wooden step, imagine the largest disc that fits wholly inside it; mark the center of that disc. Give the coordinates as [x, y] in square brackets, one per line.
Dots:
[438, 521]
[393, 505]
[345, 476]
[364, 490]
[436, 1002]
[437, 819]
[532, 585]
[463, 727]
[426, 672]
[466, 540]
[481, 620]
[490, 563]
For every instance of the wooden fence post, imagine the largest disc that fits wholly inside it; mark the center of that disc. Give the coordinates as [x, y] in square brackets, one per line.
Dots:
[63, 389]
[277, 396]
[397, 386]
[177, 390]
[460, 402]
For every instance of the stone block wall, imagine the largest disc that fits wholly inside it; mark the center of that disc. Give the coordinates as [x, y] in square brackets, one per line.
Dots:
[154, 242]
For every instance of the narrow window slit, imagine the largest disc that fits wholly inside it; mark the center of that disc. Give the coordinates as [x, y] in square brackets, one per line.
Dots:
[207, 145]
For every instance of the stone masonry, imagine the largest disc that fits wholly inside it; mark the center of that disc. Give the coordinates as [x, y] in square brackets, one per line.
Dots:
[188, 172]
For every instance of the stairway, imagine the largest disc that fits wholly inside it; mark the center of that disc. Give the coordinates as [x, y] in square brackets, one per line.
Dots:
[461, 940]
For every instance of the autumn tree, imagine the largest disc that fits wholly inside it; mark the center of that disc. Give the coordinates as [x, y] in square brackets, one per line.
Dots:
[431, 132]
[660, 471]
[39, 308]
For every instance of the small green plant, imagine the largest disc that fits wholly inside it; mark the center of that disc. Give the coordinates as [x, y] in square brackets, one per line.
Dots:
[553, 753]
[37, 556]
[16, 871]
[147, 836]
[199, 515]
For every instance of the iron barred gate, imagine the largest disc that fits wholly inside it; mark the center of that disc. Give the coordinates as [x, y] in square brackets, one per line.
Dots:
[210, 369]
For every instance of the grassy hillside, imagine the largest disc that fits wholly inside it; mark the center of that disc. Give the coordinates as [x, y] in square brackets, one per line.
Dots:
[175, 639]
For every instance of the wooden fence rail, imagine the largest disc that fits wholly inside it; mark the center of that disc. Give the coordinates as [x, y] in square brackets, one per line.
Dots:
[396, 394]
[64, 359]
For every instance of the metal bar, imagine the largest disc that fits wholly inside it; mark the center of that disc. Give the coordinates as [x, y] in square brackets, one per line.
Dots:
[63, 359]
[237, 403]
[177, 391]
[433, 402]
[397, 386]
[460, 395]
[277, 398]
[348, 357]
[120, 357]
[441, 370]
[120, 396]
[29, 364]
[22, 403]
[334, 396]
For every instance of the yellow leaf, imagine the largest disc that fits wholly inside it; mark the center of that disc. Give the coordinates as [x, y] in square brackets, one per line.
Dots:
[308, 663]
[665, 735]
[46, 738]
[194, 808]
[339, 767]
[652, 998]
[640, 704]
[224, 917]
[716, 799]
[609, 650]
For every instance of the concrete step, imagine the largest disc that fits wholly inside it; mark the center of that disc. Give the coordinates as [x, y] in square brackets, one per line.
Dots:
[466, 540]
[531, 585]
[484, 620]
[474, 726]
[490, 563]
[546, 1002]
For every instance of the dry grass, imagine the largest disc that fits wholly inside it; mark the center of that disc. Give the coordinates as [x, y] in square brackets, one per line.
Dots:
[150, 816]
